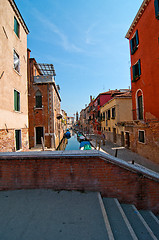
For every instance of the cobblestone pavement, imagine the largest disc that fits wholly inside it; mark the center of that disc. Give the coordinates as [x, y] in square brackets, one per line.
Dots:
[124, 154]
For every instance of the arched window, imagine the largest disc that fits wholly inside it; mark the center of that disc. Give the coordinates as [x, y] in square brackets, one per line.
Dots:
[139, 104]
[38, 99]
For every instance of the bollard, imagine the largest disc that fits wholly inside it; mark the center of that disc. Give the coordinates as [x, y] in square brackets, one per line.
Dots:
[99, 145]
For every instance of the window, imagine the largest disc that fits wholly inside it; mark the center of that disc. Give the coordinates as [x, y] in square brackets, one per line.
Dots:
[18, 139]
[108, 114]
[156, 2]
[134, 42]
[140, 107]
[16, 61]
[16, 27]
[38, 99]
[16, 100]
[103, 117]
[141, 136]
[136, 70]
[113, 112]
[98, 101]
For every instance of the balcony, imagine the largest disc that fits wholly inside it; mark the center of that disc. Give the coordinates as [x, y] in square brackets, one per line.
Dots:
[43, 79]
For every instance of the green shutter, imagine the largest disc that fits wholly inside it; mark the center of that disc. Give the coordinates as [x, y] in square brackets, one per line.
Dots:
[139, 65]
[137, 38]
[16, 27]
[133, 70]
[15, 100]
[131, 47]
[156, 3]
[18, 101]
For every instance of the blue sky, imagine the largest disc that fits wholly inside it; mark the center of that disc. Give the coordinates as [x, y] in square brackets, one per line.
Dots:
[85, 41]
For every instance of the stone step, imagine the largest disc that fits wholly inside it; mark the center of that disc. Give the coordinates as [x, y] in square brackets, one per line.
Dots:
[118, 221]
[139, 225]
[152, 221]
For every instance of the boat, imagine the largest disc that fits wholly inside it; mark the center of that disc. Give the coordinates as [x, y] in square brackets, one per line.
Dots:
[85, 145]
[67, 134]
[79, 134]
[81, 138]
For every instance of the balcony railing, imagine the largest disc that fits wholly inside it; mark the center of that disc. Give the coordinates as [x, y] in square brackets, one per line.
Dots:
[44, 79]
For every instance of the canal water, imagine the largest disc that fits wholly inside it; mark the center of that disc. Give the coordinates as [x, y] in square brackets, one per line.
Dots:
[69, 144]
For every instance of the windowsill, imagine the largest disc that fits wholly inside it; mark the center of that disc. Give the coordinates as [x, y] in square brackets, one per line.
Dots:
[136, 79]
[141, 142]
[17, 111]
[16, 71]
[18, 37]
[18, 150]
[134, 50]
[38, 108]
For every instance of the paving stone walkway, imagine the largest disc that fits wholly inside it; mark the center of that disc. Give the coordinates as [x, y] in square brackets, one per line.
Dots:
[124, 154]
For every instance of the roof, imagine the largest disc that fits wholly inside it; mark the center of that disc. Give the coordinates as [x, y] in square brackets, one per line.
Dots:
[15, 8]
[137, 17]
[46, 69]
[120, 95]
[124, 95]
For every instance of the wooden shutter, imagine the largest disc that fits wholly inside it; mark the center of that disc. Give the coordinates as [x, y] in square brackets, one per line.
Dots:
[131, 46]
[16, 27]
[156, 3]
[15, 100]
[18, 101]
[133, 71]
[139, 65]
[137, 38]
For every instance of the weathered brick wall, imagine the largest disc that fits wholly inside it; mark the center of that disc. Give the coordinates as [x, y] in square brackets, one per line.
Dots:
[128, 184]
[150, 148]
[7, 140]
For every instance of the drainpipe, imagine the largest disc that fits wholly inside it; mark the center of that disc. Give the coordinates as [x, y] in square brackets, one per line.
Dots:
[53, 118]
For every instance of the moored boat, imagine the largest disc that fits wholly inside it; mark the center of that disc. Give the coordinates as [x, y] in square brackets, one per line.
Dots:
[85, 145]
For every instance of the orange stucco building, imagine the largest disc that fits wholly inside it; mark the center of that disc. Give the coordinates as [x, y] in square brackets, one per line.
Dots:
[143, 36]
[144, 52]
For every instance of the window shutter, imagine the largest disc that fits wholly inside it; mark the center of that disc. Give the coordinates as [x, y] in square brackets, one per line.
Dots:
[18, 101]
[156, 3]
[131, 46]
[15, 100]
[133, 70]
[137, 38]
[16, 27]
[139, 65]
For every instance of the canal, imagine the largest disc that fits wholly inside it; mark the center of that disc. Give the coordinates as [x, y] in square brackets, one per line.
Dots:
[69, 144]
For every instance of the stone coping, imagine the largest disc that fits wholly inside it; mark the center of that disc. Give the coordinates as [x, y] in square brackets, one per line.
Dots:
[80, 154]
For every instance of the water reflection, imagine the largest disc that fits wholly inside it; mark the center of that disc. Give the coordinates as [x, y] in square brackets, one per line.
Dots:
[69, 144]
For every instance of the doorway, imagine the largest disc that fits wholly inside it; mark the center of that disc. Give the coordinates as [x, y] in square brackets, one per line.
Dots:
[114, 135]
[39, 134]
[127, 140]
[122, 139]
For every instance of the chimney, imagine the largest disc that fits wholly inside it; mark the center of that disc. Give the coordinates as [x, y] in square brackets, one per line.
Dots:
[28, 53]
[91, 98]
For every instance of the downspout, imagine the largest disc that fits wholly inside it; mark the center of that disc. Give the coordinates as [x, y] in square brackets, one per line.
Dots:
[53, 119]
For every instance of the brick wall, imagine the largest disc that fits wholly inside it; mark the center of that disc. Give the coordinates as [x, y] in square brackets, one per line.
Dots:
[7, 140]
[97, 172]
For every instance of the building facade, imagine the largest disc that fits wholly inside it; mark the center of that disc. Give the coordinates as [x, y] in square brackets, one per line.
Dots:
[114, 114]
[45, 124]
[144, 52]
[13, 79]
